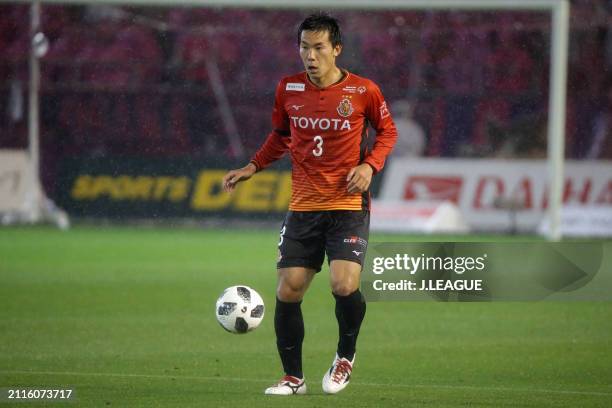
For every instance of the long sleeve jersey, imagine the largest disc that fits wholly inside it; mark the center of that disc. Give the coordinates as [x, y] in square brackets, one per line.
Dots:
[325, 130]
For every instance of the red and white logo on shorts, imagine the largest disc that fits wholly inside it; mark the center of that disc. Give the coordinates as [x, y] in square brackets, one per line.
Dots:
[356, 240]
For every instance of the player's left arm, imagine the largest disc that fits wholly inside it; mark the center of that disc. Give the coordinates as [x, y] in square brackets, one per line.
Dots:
[378, 115]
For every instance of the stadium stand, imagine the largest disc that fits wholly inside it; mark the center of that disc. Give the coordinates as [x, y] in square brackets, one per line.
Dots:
[127, 80]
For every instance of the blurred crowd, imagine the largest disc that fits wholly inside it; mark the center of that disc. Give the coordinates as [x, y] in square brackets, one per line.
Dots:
[200, 81]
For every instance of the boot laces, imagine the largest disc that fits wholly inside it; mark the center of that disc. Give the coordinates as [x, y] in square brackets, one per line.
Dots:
[342, 369]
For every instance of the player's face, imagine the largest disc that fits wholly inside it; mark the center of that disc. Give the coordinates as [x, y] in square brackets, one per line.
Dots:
[318, 54]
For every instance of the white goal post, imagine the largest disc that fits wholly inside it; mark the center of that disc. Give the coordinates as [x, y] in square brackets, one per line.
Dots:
[22, 198]
[559, 10]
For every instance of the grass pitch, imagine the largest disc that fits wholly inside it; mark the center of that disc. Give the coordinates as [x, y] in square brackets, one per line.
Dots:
[125, 317]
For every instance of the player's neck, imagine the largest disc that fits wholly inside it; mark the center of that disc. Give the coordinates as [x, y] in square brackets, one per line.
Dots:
[334, 75]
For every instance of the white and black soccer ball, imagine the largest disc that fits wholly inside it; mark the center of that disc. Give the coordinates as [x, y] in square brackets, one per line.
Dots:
[239, 309]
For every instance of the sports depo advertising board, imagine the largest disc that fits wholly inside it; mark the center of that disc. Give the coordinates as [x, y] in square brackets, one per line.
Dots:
[131, 187]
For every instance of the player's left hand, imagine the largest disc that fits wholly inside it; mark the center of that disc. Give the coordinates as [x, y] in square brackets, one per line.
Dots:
[359, 178]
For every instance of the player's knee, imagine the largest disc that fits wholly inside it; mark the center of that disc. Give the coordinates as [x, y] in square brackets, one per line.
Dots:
[344, 288]
[288, 292]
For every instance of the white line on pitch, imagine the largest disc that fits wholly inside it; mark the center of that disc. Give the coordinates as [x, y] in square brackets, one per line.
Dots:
[485, 388]
[366, 384]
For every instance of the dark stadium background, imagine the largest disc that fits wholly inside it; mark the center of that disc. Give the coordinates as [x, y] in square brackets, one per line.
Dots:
[121, 309]
[134, 82]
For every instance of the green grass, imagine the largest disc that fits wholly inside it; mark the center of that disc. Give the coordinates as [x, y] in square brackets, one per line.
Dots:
[125, 317]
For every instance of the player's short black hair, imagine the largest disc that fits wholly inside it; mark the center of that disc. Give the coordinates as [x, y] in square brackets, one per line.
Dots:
[321, 22]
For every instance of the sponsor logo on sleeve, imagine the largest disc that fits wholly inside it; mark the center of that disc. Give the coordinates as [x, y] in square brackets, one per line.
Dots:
[384, 111]
[295, 86]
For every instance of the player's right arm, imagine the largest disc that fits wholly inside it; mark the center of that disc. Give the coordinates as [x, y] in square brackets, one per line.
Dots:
[275, 146]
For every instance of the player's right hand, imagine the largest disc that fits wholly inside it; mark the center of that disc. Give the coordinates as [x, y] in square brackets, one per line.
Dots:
[235, 176]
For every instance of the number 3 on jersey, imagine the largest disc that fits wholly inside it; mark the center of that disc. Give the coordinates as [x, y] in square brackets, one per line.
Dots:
[318, 150]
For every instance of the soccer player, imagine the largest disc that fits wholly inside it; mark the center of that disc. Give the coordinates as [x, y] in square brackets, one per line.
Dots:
[321, 117]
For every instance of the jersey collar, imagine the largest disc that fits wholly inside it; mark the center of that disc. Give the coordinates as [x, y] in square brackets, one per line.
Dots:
[309, 83]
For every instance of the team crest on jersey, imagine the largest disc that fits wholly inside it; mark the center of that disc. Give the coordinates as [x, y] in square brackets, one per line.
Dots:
[345, 108]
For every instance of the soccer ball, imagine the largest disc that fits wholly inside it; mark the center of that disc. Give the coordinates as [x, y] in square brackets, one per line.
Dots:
[239, 309]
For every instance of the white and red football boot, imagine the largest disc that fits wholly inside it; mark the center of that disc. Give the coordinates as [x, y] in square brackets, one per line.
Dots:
[338, 376]
[288, 385]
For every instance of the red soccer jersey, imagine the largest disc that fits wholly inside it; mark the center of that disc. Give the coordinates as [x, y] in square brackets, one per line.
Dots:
[325, 131]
